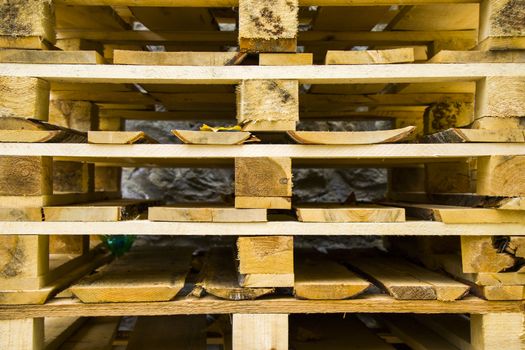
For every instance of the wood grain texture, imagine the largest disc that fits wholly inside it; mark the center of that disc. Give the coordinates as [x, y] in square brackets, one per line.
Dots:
[446, 56]
[25, 18]
[205, 213]
[212, 138]
[360, 213]
[116, 210]
[119, 137]
[497, 330]
[454, 135]
[285, 59]
[177, 58]
[263, 202]
[25, 333]
[13, 129]
[263, 177]
[401, 55]
[500, 97]
[262, 331]
[138, 276]
[26, 176]
[501, 176]
[480, 255]
[351, 137]
[24, 97]
[50, 57]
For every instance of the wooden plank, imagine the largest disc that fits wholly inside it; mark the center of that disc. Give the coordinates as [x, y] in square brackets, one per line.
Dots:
[320, 278]
[351, 137]
[219, 277]
[212, 138]
[263, 104]
[500, 97]
[98, 333]
[54, 199]
[119, 137]
[170, 333]
[205, 213]
[501, 176]
[497, 331]
[117, 210]
[335, 332]
[50, 57]
[24, 97]
[266, 261]
[343, 213]
[14, 130]
[406, 281]
[177, 58]
[415, 334]
[285, 59]
[58, 329]
[263, 177]
[268, 26]
[446, 56]
[449, 214]
[210, 305]
[26, 333]
[454, 328]
[261, 331]
[28, 18]
[454, 135]
[469, 200]
[263, 202]
[401, 55]
[138, 276]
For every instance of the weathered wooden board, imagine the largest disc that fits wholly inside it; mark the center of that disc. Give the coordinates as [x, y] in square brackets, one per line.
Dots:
[401, 55]
[476, 135]
[351, 137]
[358, 213]
[205, 213]
[147, 58]
[212, 138]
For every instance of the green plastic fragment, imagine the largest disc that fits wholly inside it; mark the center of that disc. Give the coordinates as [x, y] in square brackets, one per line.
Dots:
[118, 244]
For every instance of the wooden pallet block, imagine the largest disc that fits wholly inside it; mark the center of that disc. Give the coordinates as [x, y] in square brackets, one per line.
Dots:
[260, 331]
[119, 137]
[401, 55]
[116, 210]
[169, 332]
[343, 213]
[205, 213]
[266, 261]
[213, 138]
[351, 137]
[493, 174]
[219, 277]
[405, 281]
[28, 18]
[24, 97]
[319, 277]
[155, 275]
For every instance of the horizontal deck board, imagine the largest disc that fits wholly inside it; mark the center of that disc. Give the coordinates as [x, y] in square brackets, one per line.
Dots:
[277, 305]
[144, 227]
[351, 74]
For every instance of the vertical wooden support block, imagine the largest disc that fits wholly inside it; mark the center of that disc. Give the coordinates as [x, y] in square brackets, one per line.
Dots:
[497, 331]
[268, 105]
[73, 177]
[22, 334]
[27, 18]
[453, 177]
[24, 260]
[24, 97]
[266, 261]
[263, 182]
[478, 254]
[501, 176]
[501, 24]
[268, 25]
[26, 176]
[444, 115]
[68, 244]
[500, 102]
[78, 115]
[260, 332]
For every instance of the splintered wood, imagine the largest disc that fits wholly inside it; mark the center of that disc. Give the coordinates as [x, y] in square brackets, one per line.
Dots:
[407, 281]
[219, 277]
[268, 105]
[155, 275]
[266, 261]
[268, 25]
[318, 277]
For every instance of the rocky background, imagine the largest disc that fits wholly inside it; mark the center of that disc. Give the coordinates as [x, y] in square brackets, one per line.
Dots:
[177, 185]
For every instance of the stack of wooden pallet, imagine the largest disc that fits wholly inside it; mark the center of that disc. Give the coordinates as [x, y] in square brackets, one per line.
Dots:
[448, 75]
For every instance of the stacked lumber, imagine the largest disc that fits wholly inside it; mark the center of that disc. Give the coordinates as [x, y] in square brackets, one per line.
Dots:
[446, 81]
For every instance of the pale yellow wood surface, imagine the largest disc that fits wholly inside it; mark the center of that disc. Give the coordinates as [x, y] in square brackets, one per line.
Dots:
[50, 57]
[351, 137]
[480, 255]
[24, 97]
[119, 137]
[26, 333]
[500, 97]
[205, 213]
[177, 58]
[263, 177]
[402, 55]
[123, 209]
[501, 176]
[358, 213]
[138, 276]
[261, 255]
[285, 59]
[31, 18]
[497, 331]
[211, 138]
[477, 135]
[445, 56]
[260, 331]
[263, 202]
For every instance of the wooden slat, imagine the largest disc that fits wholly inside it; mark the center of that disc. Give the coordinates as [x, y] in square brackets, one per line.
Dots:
[402, 55]
[345, 74]
[343, 213]
[169, 333]
[461, 215]
[351, 137]
[334, 332]
[205, 213]
[219, 277]
[32, 130]
[212, 138]
[117, 210]
[50, 57]
[318, 277]
[446, 56]
[476, 135]
[138, 276]
[98, 333]
[404, 280]
[177, 58]
[119, 137]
